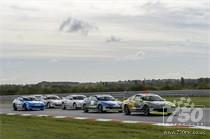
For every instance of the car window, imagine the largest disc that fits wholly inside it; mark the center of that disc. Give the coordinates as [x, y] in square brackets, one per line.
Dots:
[132, 97]
[79, 97]
[93, 98]
[152, 98]
[137, 97]
[20, 99]
[29, 99]
[53, 97]
[105, 98]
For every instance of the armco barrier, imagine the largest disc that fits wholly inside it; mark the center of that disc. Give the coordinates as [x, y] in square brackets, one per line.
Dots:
[126, 94]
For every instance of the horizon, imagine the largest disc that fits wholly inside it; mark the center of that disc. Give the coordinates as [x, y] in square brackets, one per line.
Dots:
[34, 83]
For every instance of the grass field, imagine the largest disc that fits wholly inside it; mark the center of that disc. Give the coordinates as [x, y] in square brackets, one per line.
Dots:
[17, 127]
[196, 100]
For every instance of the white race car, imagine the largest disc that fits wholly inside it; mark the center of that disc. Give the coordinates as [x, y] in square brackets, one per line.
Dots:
[73, 102]
[52, 101]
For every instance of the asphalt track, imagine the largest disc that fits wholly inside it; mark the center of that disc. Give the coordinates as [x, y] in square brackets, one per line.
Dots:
[7, 108]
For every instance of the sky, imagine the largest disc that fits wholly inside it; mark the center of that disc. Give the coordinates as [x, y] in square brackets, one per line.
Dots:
[103, 40]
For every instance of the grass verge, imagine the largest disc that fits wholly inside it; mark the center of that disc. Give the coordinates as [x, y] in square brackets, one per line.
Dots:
[205, 101]
[19, 127]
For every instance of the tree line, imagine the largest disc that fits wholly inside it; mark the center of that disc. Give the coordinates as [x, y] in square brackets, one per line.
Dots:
[128, 85]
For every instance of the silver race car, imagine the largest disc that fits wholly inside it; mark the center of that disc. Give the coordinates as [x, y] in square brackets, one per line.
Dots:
[73, 102]
[102, 103]
[52, 101]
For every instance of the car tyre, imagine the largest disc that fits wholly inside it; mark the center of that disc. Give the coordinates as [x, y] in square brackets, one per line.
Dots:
[127, 110]
[14, 107]
[63, 106]
[146, 110]
[48, 105]
[24, 107]
[74, 106]
[85, 109]
[100, 108]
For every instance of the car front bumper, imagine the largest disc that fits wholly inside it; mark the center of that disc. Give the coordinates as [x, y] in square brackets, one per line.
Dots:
[163, 110]
[112, 109]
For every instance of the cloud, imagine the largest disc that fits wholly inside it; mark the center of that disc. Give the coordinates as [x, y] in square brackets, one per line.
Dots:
[113, 39]
[74, 25]
[22, 8]
[133, 57]
[176, 16]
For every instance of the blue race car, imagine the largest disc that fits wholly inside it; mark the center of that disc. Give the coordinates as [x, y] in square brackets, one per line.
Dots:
[102, 103]
[27, 103]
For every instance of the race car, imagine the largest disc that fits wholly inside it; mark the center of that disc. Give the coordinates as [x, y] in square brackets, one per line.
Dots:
[73, 102]
[27, 103]
[147, 104]
[39, 97]
[102, 103]
[52, 101]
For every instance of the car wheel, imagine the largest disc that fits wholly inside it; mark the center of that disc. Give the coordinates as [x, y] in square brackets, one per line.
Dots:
[74, 106]
[48, 105]
[146, 110]
[63, 106]
[14, 107]
[24, 107]
[85, 108]
[127, 110]
[100, 108]
[120, 111]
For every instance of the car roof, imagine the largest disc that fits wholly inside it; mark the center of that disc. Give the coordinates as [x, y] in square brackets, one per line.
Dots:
[102, 95]
[51, 96]
[26, 96]
[36, 95]
[76, 95]
[146, 94]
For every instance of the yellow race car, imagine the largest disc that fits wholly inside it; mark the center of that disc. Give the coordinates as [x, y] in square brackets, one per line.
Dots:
[147, 104]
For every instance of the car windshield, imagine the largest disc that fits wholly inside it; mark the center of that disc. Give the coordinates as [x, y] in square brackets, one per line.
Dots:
[54, 98]
[105, 98]
[38, 97]
[29, 99]
[79, 97]
[152, 98]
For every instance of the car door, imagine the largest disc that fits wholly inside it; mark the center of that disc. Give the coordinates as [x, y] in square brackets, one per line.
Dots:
[93, 102]
[19, 102]
[70, 102]
[138, 102]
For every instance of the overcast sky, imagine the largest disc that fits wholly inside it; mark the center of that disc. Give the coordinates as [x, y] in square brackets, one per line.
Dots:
[103, 40]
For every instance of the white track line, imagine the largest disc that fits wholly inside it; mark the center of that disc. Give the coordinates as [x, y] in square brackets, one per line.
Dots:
[42, 115]
[131, 122]
[104, 120]
[163, 124]
[25, 114]
[201, 127]
[80, 118]
[11, 114]
[59, 117]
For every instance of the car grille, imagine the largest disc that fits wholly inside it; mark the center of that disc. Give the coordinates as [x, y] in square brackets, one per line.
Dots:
[36, 106]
